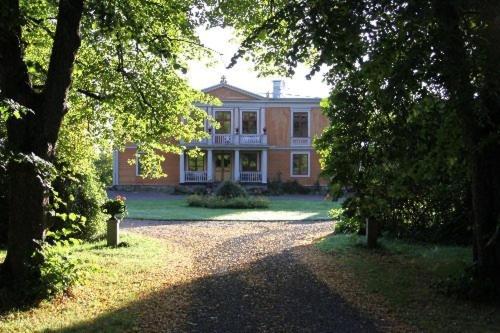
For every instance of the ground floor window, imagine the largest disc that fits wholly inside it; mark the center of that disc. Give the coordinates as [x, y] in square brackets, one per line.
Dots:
[138, 164]
[196, 163]
[300, 164]
[249, 161]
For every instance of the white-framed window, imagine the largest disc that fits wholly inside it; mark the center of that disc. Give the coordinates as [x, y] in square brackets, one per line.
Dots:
[225, 120]
[249, 161]
[195, 163]
[300, 164]
[300, 123]
[138, 165]
[249, 121]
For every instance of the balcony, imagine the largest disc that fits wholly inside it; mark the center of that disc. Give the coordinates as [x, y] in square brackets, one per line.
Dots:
[233, 140]
[305, 141]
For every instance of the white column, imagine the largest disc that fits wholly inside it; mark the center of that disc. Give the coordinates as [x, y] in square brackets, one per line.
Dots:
[237, 165]
[116, 166]
[210, 173]
[262, 119]
[181, 168]
[263, 166]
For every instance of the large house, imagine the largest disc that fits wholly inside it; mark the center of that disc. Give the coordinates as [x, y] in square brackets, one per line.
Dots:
[259, 139]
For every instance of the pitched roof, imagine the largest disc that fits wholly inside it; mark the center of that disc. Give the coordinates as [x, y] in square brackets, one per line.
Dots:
[225, 85]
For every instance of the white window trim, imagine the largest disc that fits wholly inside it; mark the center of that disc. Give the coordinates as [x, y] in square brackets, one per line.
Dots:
[215, 110]
[241, 120]
[186, 162]
[259, 168]
[308, 153]
[308, 111]
[137, 154]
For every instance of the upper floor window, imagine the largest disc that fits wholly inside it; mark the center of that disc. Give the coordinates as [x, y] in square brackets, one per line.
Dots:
[248, 122]
[224, 120]
[300, 124]
[196, 163]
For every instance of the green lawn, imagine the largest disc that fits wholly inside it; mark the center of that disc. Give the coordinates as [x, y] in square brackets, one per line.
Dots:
[279, 209]
[115, 279]
[402, 275]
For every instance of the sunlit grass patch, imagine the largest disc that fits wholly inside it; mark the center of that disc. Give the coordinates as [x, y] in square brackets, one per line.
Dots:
[279, 209]
[115, 278]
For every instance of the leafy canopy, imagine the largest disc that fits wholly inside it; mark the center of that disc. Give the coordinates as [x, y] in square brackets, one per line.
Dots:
[128, 84]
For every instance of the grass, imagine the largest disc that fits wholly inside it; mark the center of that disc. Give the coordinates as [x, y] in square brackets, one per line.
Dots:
[402, 275]
[115, 278]
[279, 209]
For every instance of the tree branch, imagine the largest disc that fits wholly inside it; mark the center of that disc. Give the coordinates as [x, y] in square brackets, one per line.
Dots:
[14, 79]
[66, 44]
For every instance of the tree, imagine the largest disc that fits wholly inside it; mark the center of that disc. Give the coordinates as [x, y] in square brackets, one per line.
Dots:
[388, 59]
[116, 66]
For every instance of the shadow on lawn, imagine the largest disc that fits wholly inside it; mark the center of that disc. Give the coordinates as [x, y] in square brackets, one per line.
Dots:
[276, 293]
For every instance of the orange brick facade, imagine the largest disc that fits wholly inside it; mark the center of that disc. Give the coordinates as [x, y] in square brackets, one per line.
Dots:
[276, 146]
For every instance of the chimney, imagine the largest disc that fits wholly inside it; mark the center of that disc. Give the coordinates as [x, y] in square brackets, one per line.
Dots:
[277, 86]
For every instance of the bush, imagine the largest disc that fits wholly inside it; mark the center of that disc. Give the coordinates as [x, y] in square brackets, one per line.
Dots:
[84, 196]
[59, 270]
[221, 202]
[229, 189]
[278, 187]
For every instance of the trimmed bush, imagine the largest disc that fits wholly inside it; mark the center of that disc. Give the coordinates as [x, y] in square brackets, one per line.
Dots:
[229, 189]
[208, 201]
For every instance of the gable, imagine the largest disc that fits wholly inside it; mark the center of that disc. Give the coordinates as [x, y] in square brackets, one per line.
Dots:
[226, 93]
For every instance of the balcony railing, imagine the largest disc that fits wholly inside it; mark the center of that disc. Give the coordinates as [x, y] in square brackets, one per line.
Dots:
[250, 177]
[301, 141]
[233, 139]
[223, 139]
[195, 177]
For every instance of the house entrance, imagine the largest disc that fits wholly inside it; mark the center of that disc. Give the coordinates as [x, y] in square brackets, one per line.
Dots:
[222, 166]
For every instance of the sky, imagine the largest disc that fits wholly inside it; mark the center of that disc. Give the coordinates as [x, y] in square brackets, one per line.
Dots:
[242, 75]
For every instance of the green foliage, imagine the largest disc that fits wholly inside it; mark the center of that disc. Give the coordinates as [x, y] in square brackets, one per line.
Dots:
[395, 137]
[104, 168]
[278, 187]
[344, 224]
[59, 270]
[80, 198]
[229, 189]
[116, 206]
[210, 201]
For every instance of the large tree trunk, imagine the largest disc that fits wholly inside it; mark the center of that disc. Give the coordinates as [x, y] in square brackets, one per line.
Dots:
[36, 133]
[480, 120]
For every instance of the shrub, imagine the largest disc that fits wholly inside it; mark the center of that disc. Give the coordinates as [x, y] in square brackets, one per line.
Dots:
[229, 189]
[83, 196]
[278, 187]
[59, 270]
[221, 202]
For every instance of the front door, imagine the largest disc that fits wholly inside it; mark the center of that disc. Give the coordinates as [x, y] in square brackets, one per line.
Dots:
[222, 166]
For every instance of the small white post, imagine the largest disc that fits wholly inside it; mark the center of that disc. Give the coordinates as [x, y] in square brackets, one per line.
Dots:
[210, 173]
[182, 169]
[237, 165]
[263, 164]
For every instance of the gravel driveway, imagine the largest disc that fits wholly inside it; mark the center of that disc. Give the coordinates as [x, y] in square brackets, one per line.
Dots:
[246, 277]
